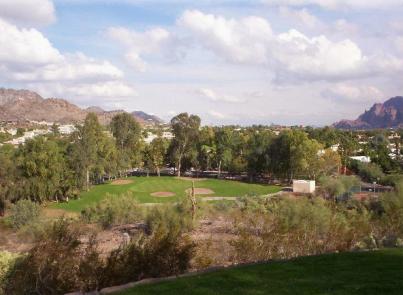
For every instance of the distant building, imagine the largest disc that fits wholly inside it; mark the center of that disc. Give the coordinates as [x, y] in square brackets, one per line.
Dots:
[67, 129]
[363, 159]
[303, 186]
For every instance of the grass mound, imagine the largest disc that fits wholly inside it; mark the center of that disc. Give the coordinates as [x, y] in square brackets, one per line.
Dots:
[378, 272]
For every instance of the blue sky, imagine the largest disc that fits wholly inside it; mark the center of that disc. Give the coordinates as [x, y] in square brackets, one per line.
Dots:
[308, 62]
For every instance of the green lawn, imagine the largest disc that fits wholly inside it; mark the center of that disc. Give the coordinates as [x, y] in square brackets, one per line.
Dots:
[379, 272]
[142, 187]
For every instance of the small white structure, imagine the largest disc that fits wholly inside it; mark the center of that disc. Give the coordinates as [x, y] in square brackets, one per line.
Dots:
[67, 129]
[303, 186]
[364, 159]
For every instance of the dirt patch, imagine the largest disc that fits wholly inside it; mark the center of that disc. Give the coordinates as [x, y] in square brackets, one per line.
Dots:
[162, 194]
[57, 213]
[121, 181]
[201, 191]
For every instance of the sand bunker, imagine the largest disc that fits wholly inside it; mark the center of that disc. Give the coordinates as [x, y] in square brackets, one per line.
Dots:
[121, 181]
[162, 194]
[201, 191]
[191, 178]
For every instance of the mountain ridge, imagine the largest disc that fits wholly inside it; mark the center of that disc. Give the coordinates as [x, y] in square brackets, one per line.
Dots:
[25, 105]
[388, 114]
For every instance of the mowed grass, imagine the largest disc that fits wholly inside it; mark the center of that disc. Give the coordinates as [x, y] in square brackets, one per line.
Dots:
[142, 187]
[378, 272]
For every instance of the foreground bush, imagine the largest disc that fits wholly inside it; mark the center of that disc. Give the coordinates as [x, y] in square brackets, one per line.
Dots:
[7, 261]
[56, 264]
[66, 260]
[24, 212]
[170, 216]
[294, 227]
[166, 252]
[113, 210]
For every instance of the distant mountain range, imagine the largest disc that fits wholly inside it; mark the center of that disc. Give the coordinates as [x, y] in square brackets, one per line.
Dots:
[25, 105]
[381, 115]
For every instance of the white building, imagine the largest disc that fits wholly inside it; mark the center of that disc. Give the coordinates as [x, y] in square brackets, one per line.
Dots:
[364, 159]
[303, 186]
[150, 137]
[67, 129]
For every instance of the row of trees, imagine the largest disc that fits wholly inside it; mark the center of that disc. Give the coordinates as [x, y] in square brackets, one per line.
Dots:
[53, 167]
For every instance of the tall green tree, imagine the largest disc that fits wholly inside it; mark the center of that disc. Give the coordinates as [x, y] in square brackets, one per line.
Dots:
[185, 128]
[41, 165]
[127, 132]
[87, 153]
[224, 151]
[155, 154]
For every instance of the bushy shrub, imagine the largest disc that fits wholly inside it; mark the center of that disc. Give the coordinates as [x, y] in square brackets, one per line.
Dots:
[113, 210]
[332, 187]
[66, 259]
[165, 252]
[7, 261]
[24, 212]
[57, 264]
[170, 216]
[392, 179]
[369, 172]
[391, 219]
[295, 227]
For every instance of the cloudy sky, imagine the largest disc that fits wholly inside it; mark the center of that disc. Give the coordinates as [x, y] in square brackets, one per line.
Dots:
[308, 62]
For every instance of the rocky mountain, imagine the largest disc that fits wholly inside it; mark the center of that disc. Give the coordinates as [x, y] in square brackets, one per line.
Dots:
[381, 115]
[25, 105]
[146, 117]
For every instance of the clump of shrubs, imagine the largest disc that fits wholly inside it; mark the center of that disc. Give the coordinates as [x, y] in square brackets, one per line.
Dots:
[7, 261]
[24, 212]
[293, 227]
[336, 187]
[170, 216]
[113, 210]
[167, 251]
[65, 259]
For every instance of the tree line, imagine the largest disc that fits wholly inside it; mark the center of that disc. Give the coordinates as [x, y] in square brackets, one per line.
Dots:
[54, 167]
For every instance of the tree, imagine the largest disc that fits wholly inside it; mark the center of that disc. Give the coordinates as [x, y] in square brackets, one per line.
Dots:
[87, 153]
[185, 128]
[157, 150]
[40, 163]
[7, 176]
[223, 139]
[127, 132]
[292, 153]
[258, 157]
[329, 162]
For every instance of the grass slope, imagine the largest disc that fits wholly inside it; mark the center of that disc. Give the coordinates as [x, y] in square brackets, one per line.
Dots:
[142, 187]
[378, 272]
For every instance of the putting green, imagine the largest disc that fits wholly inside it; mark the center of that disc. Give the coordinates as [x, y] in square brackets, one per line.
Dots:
[142, 187]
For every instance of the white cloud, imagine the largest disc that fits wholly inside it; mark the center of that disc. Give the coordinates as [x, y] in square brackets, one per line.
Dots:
[27, 55]
[291, 55]
[71, 67]
[110, 89]
[25, 46]
[217, 115]
[139, 44]
[28, 58]
[339, 4]
[399, 43]
[214, 96]
[28, 12]
[303, 16]
[243, 41]
[352, 93]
